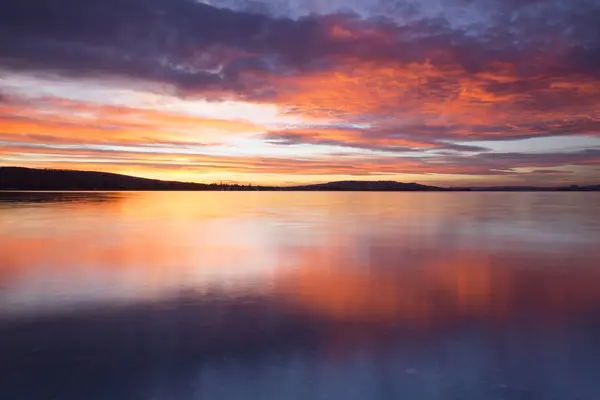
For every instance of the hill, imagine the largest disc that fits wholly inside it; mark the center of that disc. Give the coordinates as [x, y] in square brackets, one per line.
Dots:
[17, 178]
[367, 186]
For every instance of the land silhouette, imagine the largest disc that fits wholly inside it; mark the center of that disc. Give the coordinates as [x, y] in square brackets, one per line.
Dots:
[20, 178]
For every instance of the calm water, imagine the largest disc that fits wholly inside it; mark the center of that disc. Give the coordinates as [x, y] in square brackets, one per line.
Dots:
[281, 296]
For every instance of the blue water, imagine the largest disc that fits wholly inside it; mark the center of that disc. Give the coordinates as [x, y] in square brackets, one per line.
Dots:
[224, 295]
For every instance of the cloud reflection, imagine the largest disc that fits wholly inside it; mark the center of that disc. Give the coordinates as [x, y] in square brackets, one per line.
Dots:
[368, 295]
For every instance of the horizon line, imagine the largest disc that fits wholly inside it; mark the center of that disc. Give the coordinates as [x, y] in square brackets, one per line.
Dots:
[225, 183]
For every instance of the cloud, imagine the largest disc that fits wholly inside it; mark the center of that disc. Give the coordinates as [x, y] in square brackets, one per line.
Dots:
[197, 46]
[364, 139]
[427, 77]
[550, 171]
[180, 42]
[55, 121]
[584, 157]
[96, 156]
[514, 163]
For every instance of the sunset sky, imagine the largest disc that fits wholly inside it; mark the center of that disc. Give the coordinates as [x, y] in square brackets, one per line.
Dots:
[447, 92]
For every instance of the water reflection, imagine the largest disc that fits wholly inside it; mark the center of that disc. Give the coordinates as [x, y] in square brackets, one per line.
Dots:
[300, 296]
[442, 287]
[17, 198]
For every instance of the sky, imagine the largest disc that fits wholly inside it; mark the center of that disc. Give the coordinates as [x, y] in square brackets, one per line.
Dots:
[444, 92]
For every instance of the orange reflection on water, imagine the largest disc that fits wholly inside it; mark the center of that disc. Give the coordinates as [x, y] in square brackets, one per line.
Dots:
[136, 247]
[444, 286]
[419, 259]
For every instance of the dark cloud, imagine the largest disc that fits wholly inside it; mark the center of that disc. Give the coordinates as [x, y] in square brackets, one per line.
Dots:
[584, 157]
[508, 162]
[460, 147]
[492, 132]
[362, 140]
[179, 41]
[291, 140]
[550, 171]
[182, 41]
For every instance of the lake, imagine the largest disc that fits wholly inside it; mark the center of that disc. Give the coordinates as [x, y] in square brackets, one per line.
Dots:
[299, 295]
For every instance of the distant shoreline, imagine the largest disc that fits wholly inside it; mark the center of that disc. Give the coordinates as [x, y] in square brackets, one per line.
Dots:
[299, 191]
[458, 190]
[15, 179]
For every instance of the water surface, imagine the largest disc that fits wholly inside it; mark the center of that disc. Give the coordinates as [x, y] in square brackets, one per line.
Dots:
[258, 295]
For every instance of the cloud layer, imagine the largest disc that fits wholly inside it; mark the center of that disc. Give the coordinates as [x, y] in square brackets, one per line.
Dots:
[391, 81]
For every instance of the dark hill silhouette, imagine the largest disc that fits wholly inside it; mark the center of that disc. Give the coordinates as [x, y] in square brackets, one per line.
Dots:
[18, 178]
[368, 185]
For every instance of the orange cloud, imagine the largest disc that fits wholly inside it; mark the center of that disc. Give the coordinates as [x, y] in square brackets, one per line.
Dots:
[380, 105]
[444, 100]
[62, 121]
